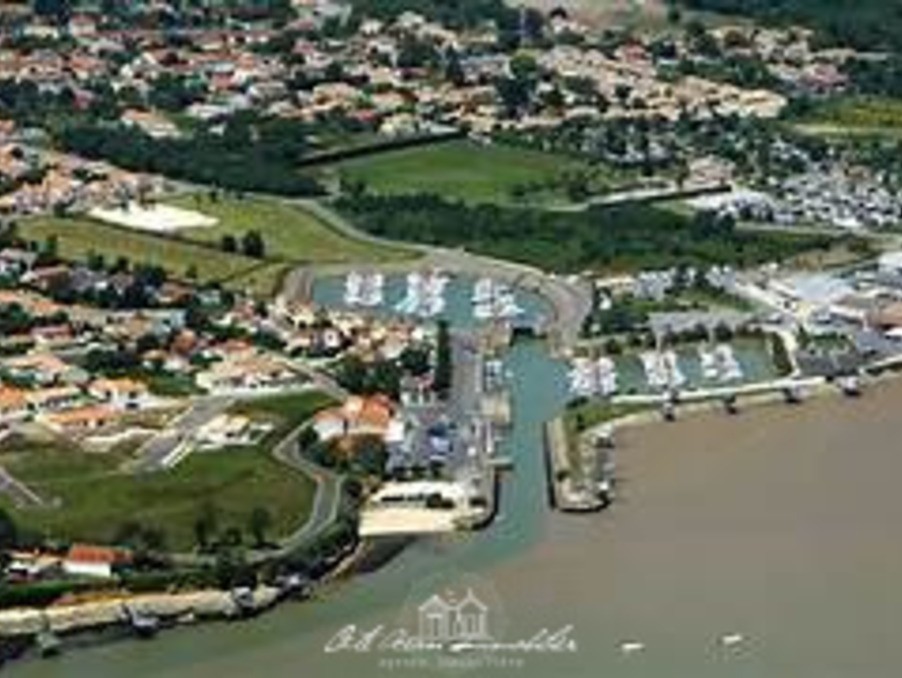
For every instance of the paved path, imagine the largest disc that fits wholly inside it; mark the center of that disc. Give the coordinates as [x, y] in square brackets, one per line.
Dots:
[325, 510]
[161, 450]
[19, 492]
[571, 299]
[326, 501]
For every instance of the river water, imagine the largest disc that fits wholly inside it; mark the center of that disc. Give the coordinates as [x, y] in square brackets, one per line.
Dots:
[783, 525]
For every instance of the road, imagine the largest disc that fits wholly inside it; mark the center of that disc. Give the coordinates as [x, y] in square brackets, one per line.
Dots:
[326, 502]
[570, 299]
[325, 510]
[158, 453]
[20, 493]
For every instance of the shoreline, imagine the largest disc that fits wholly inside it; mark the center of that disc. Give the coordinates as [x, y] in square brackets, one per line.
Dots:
[94, 622]
[76, 623]
[558, 451]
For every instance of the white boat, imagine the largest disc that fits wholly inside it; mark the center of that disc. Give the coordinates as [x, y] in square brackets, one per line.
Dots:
[413, 296]
[728, 367]
[425, 295]
[582, 378]
[655, 372]
[631, 647]
[708, 363]
[589, 377]
[731, 639]
[372, 292]
[606, 376]
[433, 300]
[353, 287]
[494, 300]
[673, 374]
[483, 291]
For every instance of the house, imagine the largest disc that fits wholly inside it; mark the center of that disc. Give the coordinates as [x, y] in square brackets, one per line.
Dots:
[152, 124]
[13, 403]
[15, 262]
[372, 415]
[43, 369]
[80, 419]
[53, 398]
[85, 560]
[48, 277]
[248, 373]
[228, 430]
[123, 394]
[29, 565]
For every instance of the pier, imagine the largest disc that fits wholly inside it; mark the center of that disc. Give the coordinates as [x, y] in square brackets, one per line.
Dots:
[566, 492]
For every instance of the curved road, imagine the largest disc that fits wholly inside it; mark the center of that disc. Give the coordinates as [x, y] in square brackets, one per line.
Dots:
[571, 299]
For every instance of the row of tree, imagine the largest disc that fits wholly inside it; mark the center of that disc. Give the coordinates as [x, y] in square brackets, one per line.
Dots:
[631, 236]
[249, 155]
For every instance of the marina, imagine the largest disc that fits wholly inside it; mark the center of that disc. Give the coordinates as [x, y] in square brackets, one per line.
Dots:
[681, 369]
[435, 295]
[493, 300]
[720, 590]
[425, 296]
[590, 377]
[364, 290]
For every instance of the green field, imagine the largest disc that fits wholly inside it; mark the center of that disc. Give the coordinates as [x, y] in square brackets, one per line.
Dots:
[290, 233]
[90, 499]
[291, 236]
[464, 170]
[855, 116]
[77, 238]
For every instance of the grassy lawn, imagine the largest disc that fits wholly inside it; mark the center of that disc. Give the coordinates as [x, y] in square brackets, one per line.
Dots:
[856, 116]
[95, 499]
[171, 385]
[462, 169]
[289, 410]
[591, 413]
[289, 232]
[79, 237]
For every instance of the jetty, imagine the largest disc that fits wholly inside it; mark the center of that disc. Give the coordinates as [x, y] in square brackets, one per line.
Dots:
[569, 490]
[425, 295]
[494, 300]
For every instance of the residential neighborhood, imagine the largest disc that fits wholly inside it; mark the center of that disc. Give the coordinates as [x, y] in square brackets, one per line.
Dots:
[346, 305]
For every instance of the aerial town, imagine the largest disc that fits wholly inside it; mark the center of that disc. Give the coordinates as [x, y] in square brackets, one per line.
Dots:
[297, 295]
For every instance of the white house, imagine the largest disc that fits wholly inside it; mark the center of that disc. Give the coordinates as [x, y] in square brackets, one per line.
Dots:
[85, 560]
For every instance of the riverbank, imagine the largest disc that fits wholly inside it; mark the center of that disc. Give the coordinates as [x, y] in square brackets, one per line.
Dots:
[568, 448]
[780, 525]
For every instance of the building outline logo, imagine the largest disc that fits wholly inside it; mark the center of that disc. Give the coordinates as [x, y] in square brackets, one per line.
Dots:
[442, 619]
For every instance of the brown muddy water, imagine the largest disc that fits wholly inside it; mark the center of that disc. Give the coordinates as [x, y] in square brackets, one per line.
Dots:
[782, 525]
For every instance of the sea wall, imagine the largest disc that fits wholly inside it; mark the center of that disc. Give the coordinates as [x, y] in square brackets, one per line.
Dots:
[118, 610]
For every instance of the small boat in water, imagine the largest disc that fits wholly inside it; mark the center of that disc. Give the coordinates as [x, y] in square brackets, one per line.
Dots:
[48, 643]
[731, 640]
[631, 647]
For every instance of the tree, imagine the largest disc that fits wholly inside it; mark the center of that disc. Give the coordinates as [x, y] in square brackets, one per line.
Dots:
[454, 71]
[9, 533]
[524, 66]
[259, 524]
[252, 245]
[229, 243]
[443, 368]
[205, 526]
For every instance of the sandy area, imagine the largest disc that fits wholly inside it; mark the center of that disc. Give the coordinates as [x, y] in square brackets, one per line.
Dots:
[154, 218]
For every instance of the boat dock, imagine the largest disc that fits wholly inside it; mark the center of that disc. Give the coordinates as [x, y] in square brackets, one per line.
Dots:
[567, 491]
